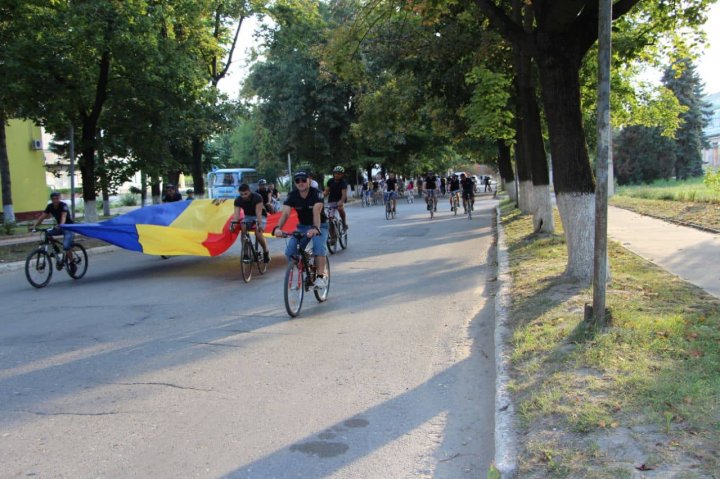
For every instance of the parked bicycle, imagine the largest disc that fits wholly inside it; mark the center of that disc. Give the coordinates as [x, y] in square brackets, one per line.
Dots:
[337, 233]
[300, 275]
[250, 252]
[39, 263]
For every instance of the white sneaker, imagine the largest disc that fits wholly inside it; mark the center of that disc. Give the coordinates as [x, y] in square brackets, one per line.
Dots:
[320, 283]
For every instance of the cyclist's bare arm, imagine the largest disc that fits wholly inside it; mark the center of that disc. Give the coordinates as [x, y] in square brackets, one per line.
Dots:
[283, 218]
[42, 217]
[258, 216]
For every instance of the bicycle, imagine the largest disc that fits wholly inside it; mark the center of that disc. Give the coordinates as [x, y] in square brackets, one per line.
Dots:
[300, 275]
[456, 203]
[39, 263]
[409, 196]
[431, 203]
[336, 230]
[249, 252]
[469, 205]
[389, 210]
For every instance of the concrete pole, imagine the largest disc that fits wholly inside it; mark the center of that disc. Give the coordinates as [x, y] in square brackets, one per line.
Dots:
[600, 273]
[72, 169]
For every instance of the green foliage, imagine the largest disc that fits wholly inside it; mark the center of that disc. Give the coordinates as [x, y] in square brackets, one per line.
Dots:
[712, 180]
[487, 113]
[129, 199]
[642, 155]
[682, 79]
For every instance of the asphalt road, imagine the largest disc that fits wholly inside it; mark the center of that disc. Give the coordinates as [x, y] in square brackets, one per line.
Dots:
[152, 368]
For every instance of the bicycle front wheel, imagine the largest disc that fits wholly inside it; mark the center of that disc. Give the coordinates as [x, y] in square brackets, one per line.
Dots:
[246, 260]
[38, 268]
[78, 265]
[332, 237]
[388, 210]
[294, 289]
[343, 237]
[260, 258]
[322, 294]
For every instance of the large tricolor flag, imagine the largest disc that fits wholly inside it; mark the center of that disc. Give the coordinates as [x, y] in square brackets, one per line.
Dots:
[198, 228]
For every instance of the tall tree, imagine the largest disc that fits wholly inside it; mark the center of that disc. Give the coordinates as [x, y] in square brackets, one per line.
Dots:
[642, 155]
[683, 80]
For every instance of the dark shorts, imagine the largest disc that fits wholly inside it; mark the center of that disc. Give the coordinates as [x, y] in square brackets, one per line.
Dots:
[466, 195]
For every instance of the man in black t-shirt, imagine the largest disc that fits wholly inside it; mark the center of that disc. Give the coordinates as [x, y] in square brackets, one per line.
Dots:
[391, 190]
[310, 207]
[454, 187]
[60, 211]
[171, 194]
[266, 195]
[336, 191]
[431, 191]
[468, 191]
[249, 210]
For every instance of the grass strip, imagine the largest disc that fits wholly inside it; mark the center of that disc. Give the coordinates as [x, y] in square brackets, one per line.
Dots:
[703, 215]
[643, 394]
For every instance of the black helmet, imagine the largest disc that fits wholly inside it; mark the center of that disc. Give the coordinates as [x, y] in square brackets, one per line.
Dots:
[55, 194]
[262, 182]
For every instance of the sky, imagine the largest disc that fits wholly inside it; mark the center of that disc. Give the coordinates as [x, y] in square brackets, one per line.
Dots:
[708, 64]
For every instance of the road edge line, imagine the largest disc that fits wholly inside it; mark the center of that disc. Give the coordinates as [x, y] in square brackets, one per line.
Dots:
[505, 440]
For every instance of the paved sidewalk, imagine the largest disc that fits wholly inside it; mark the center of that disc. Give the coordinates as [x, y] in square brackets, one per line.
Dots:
[691, 254]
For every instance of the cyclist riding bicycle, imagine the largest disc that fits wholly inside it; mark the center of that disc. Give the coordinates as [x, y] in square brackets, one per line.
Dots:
[391, 190]
[171, 194]
[60, 211]
[248, 209]
[310, 207]
[468, 190]
[336, 192]
[454, 189]
[266, 194]
[431, 190]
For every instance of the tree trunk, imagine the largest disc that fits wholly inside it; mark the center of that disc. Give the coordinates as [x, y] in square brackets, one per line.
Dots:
[506, 169]
[87, 169]
[572, 175]
[143, 188]
[524, 177]
[7, 203]
[155, 190]
[198, 172]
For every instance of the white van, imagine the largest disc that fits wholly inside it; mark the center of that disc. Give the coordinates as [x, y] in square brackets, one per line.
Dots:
[224, 183]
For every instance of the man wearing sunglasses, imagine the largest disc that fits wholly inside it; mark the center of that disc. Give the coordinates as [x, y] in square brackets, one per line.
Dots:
[310, 207]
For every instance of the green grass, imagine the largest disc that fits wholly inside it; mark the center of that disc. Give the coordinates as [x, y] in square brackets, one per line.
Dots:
[692, 190]
[657, 365]
[706, 215]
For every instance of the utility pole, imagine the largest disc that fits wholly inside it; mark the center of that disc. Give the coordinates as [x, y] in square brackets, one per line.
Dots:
[72, 169]
[600, 272]
[290, 180]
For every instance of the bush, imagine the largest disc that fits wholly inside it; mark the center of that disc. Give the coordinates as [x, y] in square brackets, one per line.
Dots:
[135, 191]
[712, 180]
[129, 199]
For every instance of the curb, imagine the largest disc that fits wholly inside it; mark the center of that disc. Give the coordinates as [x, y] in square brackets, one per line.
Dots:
[18, 265]
[505, 441]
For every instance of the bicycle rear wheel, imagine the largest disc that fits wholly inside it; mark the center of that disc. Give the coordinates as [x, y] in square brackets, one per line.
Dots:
[77, 267]
[246, 260]
[388, 210]
[322, 294]
[38, 268]
[294, 289]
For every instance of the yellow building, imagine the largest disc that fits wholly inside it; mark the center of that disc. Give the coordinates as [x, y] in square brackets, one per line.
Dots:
[27, 167]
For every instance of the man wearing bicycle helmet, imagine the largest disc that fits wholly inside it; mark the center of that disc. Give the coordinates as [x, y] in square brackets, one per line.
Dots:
[310, 207]
[249, 209]
[61, 212]
[336, 191]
